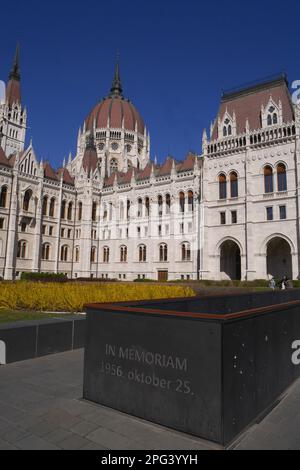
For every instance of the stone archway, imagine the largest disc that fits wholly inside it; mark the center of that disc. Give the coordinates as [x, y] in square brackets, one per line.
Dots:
[279, 258]
[230, 260]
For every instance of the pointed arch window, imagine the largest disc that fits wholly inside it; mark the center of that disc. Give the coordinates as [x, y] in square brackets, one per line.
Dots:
[191, 201]
[160, 205]
[142, 253]
[123, 254]
[272, 117]
[234, 191]
[281, 177]
[268, 177]
[181, 202]
[222, 186]
[3, 196]
[168, 203]
[147, 206]
[46, 252]
[140, 207]
[105, 254]
[77, 254]
[64, 251]
[163, 252]
[22, 249]
[185, 252]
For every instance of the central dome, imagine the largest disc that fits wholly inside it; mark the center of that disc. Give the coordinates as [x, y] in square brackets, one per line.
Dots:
[114, 109]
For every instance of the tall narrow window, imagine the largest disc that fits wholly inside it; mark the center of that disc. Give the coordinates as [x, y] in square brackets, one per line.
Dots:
[181, 202]
[233, 184]
[147, 206]
[268, 176]
[63, 210]
[191, 201]
[77, 253]
[64, 253]
[52, 207]
[45, 205]
[160, 206]
[94, 211]
[168, 203]
[26, 201]
[106, 254]
[140, 207]
[80, 211]
[70, 209]
[46, 251]
[3, 196]
[222, 186]
[281, 177]
[93, 254]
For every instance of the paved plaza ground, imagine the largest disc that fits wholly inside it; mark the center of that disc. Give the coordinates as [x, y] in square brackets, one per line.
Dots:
[41, 408]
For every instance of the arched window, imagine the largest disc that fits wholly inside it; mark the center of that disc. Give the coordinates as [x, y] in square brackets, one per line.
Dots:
[142, 253]
[185, 252]
[93, 254]
[168, 203]
[77, 254]
[46, 251]
[191, 201]
[222, 186]
[234, 192]
[64, 253]
[123, 254]
[94, 211]
[3, 196]
[181, 202]
[269, 120]
[272, 117]
[128, 210]
[52, 207]
[106, 254]
[147, 206]
[110, 211]
[163, 252]
[113, 165]
[26, 201]
[45, 205]
[22, 249]
[224, 131]
[275, 119]
[229, 130]
[63, 210]
[70, 209]
[281, 177]
[80, 211]
[160, 205]
[268, 176]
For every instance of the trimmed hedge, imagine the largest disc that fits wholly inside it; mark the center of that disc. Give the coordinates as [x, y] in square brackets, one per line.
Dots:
[44, 277]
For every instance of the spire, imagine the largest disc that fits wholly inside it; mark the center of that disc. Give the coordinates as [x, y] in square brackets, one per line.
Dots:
[13, 90]
[15, 71]
[116, 89]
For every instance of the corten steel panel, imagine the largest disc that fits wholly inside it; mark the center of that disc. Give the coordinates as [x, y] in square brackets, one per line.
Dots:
[257, 365]
[20, 342]
[54, 337]
[182, 393]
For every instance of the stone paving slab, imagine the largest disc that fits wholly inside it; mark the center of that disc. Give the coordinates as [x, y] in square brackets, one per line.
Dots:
[41, 408]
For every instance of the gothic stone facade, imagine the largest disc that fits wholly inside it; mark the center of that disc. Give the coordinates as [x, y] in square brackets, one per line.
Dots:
[110, 212]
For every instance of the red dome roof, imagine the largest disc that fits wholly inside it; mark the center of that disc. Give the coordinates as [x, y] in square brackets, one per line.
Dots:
[115, 108]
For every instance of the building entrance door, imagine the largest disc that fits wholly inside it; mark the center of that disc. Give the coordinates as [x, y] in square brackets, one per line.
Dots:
[162, 276]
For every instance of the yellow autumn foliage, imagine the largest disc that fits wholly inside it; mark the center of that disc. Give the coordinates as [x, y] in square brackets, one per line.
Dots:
[71, 297]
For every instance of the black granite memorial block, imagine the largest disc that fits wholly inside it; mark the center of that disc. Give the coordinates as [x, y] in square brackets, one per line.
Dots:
[208, 374]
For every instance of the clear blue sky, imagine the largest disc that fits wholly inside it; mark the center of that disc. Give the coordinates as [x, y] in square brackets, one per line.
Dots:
[176, 57]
